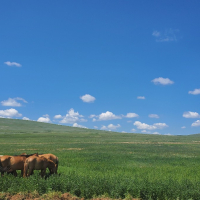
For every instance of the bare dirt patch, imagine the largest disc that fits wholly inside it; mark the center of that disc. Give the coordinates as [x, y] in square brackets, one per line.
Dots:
[69, 149]
[54, 196]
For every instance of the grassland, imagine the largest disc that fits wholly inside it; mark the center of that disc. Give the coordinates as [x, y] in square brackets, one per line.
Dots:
[98, 163]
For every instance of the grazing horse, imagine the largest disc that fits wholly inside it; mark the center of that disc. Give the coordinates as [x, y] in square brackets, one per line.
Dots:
[51, 157]
[13, 163]
[4, 165]
[38, 163]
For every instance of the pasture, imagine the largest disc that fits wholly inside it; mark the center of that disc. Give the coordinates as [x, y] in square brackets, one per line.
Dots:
[96, 163]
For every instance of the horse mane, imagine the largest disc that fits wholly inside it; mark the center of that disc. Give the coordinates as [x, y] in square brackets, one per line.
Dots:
[27, 155]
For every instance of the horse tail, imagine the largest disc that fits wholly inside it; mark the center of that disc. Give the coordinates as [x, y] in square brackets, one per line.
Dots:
[57, 160]
[25, 168]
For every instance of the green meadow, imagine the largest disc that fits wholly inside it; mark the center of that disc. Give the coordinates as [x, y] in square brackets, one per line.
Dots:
[95, 163]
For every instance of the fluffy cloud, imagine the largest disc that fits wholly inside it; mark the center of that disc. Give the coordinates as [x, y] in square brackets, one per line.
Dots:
[108, 116]
[156, 133]
[71, 117]
[162, 81]
[140, 97]
[13, 102]
[58, 117]
[87, 98]
[78, 125]
[190, 114]
[183, 127]
[25, 118]
[153, 116]
[194, 92]
[45, 119]
[169, 35]
[144, 126]
[12, 64]
[131, 115]
[103, 128]
[196, 123]
[111, 127]
[10, 113]
[92, 116]
[145, 131]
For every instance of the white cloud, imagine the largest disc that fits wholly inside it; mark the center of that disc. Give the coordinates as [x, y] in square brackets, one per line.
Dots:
[103, 128]
[169, 134]
[156, 133]
[12, 64]
[45, 119]
[133, 130]
[144, 126]
[25, 118]
[131, 115]
[108, 116]
[13, 102]
[140, 97]
[169, 35]
[78, 125]
[10, 113]
[190, 114]
[92, 116]
[160, 125]
[111, 127]
[71, 117]
[196, 123]
[145, 131]
[96, 127]
[156, 33]
[58, 117]
[162, 81]
[183, 127]
[153, 116]
[194, 92]
[87, 98]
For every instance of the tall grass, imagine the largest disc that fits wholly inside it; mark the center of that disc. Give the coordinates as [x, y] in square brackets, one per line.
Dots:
[94, 163]
[114, 186]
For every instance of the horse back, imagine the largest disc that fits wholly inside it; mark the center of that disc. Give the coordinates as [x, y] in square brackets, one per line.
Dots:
[36, 162]
[17, 162]
[50, 157]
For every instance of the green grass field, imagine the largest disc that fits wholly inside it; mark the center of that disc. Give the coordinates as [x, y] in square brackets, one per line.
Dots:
[96, 163]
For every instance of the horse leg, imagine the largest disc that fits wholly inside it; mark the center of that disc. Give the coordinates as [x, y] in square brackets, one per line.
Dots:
[14, 173]
[43, 171]
[30, 172]
[51, 171]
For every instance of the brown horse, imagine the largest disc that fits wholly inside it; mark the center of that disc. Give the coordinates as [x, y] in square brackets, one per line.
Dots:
[4, 165]
[3, 169]
[51, 157]
[13, 163]
[38, 163]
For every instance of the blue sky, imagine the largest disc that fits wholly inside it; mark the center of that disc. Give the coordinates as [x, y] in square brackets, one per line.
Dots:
[125, 66]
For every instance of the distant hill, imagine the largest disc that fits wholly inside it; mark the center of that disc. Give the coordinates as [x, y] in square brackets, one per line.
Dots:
[26, 126]
[17, 126]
